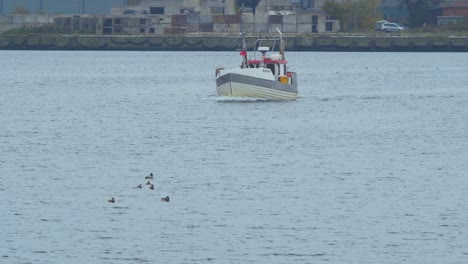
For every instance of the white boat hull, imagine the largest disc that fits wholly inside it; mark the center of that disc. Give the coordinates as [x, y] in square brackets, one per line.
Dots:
[241, 85]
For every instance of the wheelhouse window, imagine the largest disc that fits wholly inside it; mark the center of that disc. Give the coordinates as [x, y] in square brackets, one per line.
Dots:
[272, 68]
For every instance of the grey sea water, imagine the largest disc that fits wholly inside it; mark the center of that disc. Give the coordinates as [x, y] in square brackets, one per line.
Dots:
[369, 165]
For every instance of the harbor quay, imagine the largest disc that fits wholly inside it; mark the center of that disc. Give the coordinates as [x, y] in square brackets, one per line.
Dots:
[230, 42]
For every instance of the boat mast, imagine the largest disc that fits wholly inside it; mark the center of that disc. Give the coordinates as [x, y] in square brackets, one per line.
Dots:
[281, 44]
[244, 44]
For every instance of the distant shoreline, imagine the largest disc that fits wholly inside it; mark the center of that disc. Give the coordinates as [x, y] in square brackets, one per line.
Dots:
[222, 42]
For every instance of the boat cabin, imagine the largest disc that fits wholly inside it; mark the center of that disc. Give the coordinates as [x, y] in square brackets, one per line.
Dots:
[274, 62]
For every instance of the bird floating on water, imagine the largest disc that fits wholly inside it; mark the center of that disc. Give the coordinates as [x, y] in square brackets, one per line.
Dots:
[150, 177]
[152, 187]
[148, 183]
[139, 186]
[165, 199]
[111, 200]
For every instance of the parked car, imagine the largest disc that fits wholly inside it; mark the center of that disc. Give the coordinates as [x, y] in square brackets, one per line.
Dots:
[402, 26]
[378, 24]
[391, 27]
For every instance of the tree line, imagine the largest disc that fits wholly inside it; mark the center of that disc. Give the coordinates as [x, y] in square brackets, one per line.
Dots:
[360, 15]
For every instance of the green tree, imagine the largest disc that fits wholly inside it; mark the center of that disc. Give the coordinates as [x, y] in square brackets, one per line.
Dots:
[354, 15]
[340, 11]
[417, 9]
[364, 14]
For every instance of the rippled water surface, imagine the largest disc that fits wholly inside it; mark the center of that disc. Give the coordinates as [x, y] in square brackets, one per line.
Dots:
[369, 165]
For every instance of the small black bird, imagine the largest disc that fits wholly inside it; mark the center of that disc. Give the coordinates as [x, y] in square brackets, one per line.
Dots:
[152, 187]
[150, 177]
[111, 200]
[148, 183]
[139, 186]
[165, 199]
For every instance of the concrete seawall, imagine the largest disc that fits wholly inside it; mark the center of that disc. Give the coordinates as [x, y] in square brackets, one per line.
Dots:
[230, 43]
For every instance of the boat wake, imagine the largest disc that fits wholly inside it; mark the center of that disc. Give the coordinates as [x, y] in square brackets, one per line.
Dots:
[240, 99]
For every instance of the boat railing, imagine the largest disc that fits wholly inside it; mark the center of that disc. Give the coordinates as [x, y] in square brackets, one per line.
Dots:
[273, 42]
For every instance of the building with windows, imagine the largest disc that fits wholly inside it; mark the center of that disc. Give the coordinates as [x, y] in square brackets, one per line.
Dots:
[174, 7]
[185, 16]
[450, 12]
[393, 10]
[158, 17]
[224, 7]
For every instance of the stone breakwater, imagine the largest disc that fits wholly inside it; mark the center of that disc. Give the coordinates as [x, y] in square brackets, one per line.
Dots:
[229, 43]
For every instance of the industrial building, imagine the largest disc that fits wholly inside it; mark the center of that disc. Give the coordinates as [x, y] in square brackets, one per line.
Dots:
[167, 7]
[157, 17]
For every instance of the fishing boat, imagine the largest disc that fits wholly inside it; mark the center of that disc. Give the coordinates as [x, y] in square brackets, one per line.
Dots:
[264, 75]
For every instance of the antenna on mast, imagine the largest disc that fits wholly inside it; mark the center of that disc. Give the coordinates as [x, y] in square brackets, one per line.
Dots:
[281, 50]
[244, 44]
